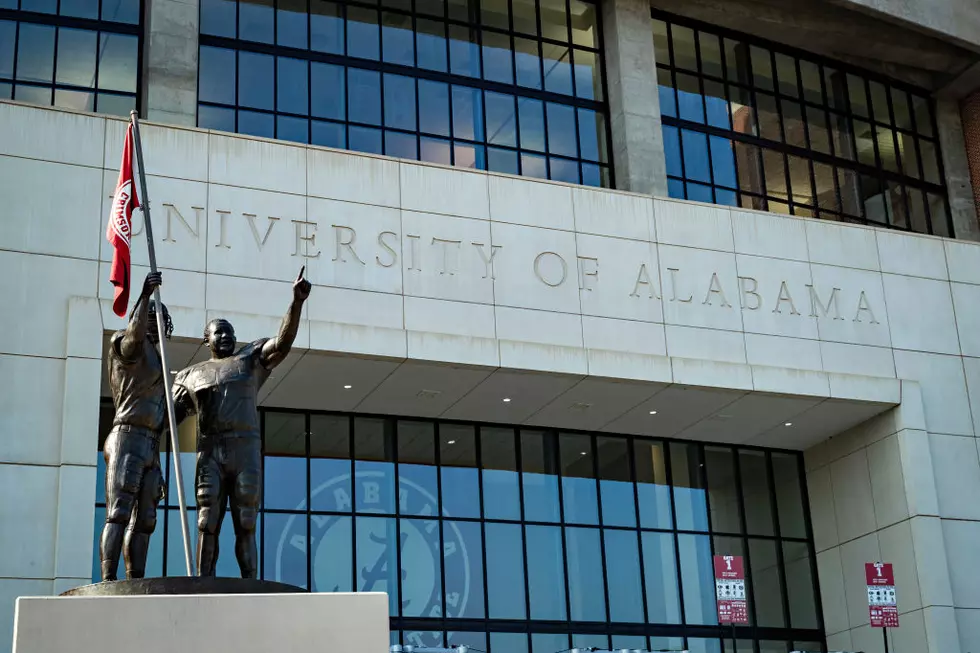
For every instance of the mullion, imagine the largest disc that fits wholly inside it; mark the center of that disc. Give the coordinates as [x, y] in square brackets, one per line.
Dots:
[704, 109]
[309, 498]
[677, 103]
[631, 460]
[788, 178]
[806, 136]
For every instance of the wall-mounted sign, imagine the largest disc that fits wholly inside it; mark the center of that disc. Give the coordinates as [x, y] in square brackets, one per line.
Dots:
[882, 601]
[730, 590]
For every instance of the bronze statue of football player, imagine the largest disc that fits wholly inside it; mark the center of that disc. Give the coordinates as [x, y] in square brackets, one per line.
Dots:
[223, 393]
[134, 480]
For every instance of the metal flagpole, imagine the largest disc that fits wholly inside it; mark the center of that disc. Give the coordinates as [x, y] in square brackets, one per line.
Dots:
[168, 391]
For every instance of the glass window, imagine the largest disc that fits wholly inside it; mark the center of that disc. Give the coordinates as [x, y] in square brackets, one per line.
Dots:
[690, 504]
[255, 20]
[377, 555]
[460, 478]
[330, 467]
[35, 53]
[291, 19]
[799, 585]
[397, 40]
[374, 469]
[697, 578]
[847, 120]
[726, 513]
[505, 571]
[328, 91]
[623, 575]
[417, 474]
[498, 63]
[256, 80]
[399, 102]
[766, 583]
[539, 476]
[326, 27]
[362, 33]
[545, 572]
[364, 96]
[285, 461]
[578, 484]
[586, 594]
[500, 480]
[291, 85]
[467, 113]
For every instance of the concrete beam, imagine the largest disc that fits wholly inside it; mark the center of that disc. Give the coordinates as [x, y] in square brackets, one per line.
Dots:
[958, 20]
[634, 101]
[170, 55]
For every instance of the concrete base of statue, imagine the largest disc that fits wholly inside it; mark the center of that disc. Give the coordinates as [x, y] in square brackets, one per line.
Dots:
[224, 615]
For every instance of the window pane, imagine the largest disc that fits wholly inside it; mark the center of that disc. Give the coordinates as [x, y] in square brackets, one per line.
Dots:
[539, 476]
[364, 96]
[464, 54]
[858, 96]
[690, 104]
[930, 161]
[710, 55]
[282, 562]
[291, 23]
[76, 57]
[583, 20]
[786, 73]
[545, 572]
[799, 585]
[501, 119]
[554, 20]
[623, 576]
[377, 551]
[588, 79]
[585, 587]
[917, 210]
[462, 558]
[397, 39]
[330, 466]
[255, 80]
[331, 569]
[668, 97]
[698, 192]
[469, 156]
[910, 157]
[434, 107]
[756, 492]
[121, 11]
[505, 571]
[722, 162]
[326, 27]
[793, 126]
[775, 167]
[697, 577]
[735, 546]
[459, 476]
[592, 135]
[430, 41]
[8, 32]
[616, 490]
[696, 160]
[922, 113]
[879, 103]
[531, 119]
[726, 515]
[499, 160]
[498, 65]
[558, 70]
[561, 129]
[256, 124]
[328, 134]
[374, 467]
[689, 496]
[35, 55]
[421, 584]
[528, 63]
[399, 102]
[750, 172]
[75, 8]
[255, 20]
[467, 113]
[789, 497]
[768, 117]
[672, 152]
[418, 488]
[217, 73]
[799, 174]
[435, 150]
[766, 585]
[653, 492]
[328, 90]
[291, 86]
[938, 213]
[660, 42]
[761, 68]
[495, 13]
[77, 100]
[285, 461]
[362, 33]
[578, 484]
[500, 480]
[743, 116]
[533, 165]
[715, 104]
[685, 49]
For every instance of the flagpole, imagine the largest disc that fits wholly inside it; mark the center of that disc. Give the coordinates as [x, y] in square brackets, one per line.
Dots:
[167, 390]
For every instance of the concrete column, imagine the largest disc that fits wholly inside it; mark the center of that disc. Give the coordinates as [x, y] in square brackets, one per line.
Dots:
[170, 62]
[957, 167]
[634, 103]
[970, 118]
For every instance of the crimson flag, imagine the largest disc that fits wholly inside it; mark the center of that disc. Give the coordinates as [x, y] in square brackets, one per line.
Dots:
[121, 227]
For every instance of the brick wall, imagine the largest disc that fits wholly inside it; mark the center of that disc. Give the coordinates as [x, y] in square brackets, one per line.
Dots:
[970, 109]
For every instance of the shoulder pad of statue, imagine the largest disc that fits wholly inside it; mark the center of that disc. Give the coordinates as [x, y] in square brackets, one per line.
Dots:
[114, 343]
[253, 347]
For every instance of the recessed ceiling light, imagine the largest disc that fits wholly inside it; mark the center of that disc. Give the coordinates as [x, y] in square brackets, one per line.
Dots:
[583, 453]
[347, 387]
[506, 399]
[788, 424]
[451, 442]
[653, 412]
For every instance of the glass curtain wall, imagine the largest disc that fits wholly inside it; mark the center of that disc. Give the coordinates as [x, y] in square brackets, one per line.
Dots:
[512, 86]
[758, 125]
[78, 54]
[510, 539]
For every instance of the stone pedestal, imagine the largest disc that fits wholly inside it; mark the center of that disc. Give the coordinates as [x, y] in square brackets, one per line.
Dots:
[203, 623]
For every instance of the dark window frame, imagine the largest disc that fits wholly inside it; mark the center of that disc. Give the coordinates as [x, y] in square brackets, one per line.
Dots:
[566, 627]
[826, 112]
[603, 166]
[99, 26]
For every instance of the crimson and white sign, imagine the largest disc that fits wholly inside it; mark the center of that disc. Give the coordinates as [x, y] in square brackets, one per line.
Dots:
[730, 590]
[882, 601]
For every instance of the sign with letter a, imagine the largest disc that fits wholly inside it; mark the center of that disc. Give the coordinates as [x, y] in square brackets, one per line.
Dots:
[730, 590]
[882, 602]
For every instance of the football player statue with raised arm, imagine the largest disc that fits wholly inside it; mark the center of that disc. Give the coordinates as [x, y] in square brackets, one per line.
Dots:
[223, 393]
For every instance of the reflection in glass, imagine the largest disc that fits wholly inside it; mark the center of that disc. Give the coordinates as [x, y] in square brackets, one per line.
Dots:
[623, 576]
[217, 76]
[588, 80]
[722, 161]
[761, 68]
[789, 498]
[768, 117]
[501, 489]
[578, 480]
[77, 100]
[793, 125]
[583, 22]
[364, 96]
[690, 104]
[660, 577]
[799, 585]
[434, 107]
[399, 102]
[35, 55]
[696, 161]
[397, 39]
[420, 575]
[291, 25]
[328, 93]
[326, 27]
[786, 74]
[697, 577]
[435, 150]
[715, 104]
[499, 160]
[766, 586]
[501, 119]
[464, 53]
[255, 80]
[528, 62]
[689, 496]
[800, 182]
[554, 20]
[557, 68]
[615, 486]
[756, 487]
[280, 563]
[430, 44]
[417, 483]
[330, 483]
[374, 469]
[328, 134]
[255, 20]
[653, 492]
[531, 120]
[539, 477]
[467, 113]
[291, 86]
[660, 43]
[726, 514]
[545, 572]
[376, 554]
[585, 586]
[459, 476]
[74, 8]
[561, 129]
[463, 563]
[76, 57]
[497, 60]
[285, 461]
[505, 571]
[362, 33]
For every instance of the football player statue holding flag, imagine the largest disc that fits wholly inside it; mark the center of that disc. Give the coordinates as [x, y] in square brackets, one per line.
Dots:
[140, 385]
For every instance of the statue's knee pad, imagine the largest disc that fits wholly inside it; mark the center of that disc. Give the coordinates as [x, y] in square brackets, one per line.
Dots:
[119, 507]
[248, 488]
[247, 518]
[207, 519]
